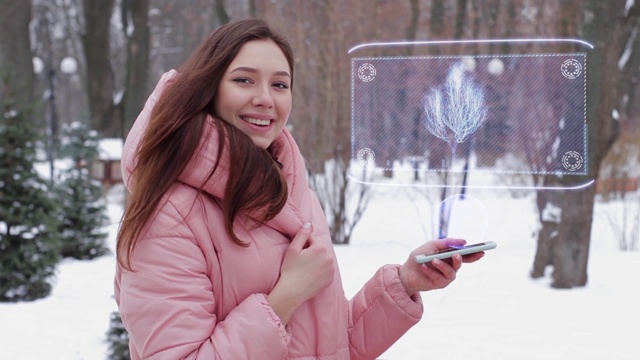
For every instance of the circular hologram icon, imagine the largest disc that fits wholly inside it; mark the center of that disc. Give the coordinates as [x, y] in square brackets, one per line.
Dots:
[571, 68]
[461, 216]
[366, 72]
[366, 157]
[572, 161]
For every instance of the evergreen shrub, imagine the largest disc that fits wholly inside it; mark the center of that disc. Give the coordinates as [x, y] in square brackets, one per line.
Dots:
[29, 244]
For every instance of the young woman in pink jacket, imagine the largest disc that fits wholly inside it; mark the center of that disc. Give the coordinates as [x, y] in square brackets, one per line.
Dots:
[224, 251]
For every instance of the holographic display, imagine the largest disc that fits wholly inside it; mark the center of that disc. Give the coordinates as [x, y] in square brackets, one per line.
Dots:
[520, 114]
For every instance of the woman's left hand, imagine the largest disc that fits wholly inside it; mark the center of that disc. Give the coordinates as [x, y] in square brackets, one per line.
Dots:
[438, 273]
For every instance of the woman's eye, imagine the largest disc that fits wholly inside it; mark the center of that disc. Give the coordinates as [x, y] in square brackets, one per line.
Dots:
[281, 85]
[242, 80]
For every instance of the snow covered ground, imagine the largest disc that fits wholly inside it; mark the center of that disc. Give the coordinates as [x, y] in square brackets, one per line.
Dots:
[492, 311]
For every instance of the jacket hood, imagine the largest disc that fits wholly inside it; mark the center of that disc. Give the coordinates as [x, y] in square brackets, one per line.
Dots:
[290, 218]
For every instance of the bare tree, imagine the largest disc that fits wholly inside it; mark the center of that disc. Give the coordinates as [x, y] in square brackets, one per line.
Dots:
[15, 51]
[56, 28]
[221, 11]
[100, 73]
[337, 190]
[455, 112]
[322, 32]
[624, 220]
[136, 31]
[608, 27]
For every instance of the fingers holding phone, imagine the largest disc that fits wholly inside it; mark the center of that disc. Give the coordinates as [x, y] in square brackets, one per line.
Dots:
[434, 264]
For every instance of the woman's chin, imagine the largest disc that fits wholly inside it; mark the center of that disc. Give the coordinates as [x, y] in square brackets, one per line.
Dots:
[262, 143]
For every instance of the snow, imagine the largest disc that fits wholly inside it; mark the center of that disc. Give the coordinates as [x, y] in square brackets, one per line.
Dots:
[493, 310]
[628, 49]
[110, 149]
[627, 6]
[495, 66]
[44, 168]
[38, 65]
[117, 98]
[69, 65]
[552, 213]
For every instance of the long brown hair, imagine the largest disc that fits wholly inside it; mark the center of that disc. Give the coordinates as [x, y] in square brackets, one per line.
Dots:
[255, 184]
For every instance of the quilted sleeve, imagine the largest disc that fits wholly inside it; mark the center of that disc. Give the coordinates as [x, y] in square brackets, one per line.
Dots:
[380, 313]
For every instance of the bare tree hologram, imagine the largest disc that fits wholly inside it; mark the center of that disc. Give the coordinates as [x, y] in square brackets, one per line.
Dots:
[456, 110]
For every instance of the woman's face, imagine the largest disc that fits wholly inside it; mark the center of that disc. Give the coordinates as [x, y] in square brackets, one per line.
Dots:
[255, 92]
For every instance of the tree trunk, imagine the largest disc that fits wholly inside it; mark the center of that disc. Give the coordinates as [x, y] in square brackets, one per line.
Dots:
[571, 251]
[138, 47]
[223, 16]
[100, 76]
[546, 235]
[15, 51]
[607, 29]
[437, 31]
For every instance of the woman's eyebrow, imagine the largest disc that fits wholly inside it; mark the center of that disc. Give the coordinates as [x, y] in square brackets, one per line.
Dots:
[253, 70]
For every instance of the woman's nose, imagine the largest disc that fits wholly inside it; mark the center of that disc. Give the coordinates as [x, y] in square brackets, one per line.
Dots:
[263, 97]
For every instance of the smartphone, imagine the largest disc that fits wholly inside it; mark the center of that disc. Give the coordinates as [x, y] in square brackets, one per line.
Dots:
[463, 250]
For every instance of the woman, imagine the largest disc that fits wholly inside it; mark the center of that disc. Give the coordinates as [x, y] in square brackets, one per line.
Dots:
[224, 251]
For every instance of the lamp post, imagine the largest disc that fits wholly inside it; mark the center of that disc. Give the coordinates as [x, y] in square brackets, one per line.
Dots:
[68, 66]
[53, 121]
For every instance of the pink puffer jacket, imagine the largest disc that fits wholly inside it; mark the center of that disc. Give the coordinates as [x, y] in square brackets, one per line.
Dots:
[194, 294]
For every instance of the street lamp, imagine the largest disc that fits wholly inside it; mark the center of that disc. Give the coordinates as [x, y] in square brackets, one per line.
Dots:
[68, 66]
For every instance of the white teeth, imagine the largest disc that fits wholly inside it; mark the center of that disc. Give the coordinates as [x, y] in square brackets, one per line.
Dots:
[256, 121]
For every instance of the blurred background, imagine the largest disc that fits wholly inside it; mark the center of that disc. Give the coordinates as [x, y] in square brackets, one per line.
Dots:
[74, 74]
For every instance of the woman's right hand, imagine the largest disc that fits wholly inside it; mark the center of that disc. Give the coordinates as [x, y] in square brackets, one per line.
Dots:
[308, 268]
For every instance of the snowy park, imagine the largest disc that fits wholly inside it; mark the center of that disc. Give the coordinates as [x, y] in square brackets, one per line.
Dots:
[512, 122]
[493, 310]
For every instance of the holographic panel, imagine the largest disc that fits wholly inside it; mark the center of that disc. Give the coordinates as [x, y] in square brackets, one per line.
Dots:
[440, 111]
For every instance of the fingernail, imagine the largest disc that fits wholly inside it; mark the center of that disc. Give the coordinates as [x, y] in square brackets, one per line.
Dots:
[306, 225]
[456, 242]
